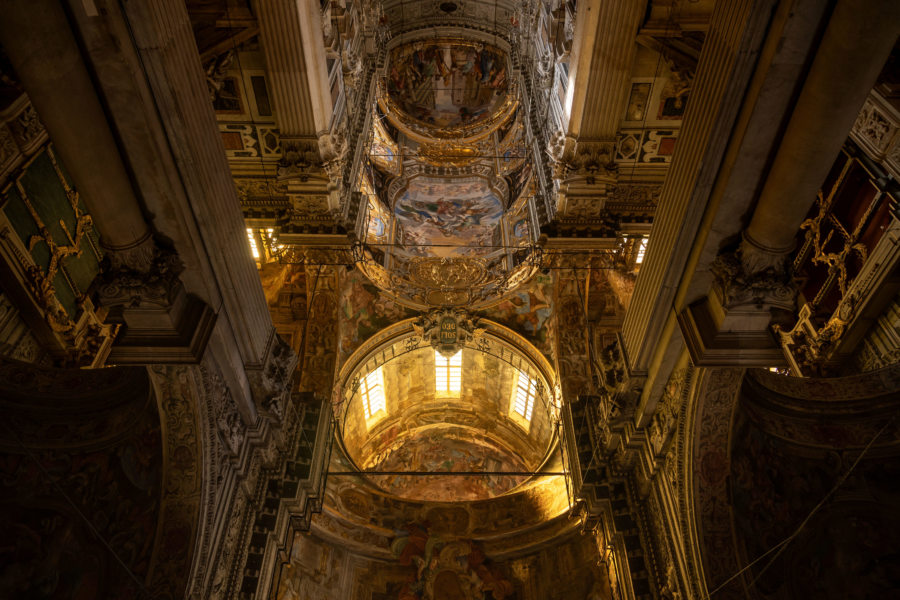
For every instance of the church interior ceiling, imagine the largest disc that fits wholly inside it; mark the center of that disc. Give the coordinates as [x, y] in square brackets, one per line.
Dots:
[449, 221]
[443, 195]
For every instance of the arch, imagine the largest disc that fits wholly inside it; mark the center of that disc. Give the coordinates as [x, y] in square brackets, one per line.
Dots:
[81, 451]
[763, 450]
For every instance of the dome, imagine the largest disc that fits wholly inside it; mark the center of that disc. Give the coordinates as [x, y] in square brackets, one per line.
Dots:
[423, 413]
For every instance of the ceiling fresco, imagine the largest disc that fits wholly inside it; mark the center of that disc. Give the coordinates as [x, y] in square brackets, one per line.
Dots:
[441, 451]
[449, 216]
[448, 88]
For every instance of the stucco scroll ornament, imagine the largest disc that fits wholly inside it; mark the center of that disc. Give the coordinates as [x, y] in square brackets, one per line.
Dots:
[232, 429]
[448, 330]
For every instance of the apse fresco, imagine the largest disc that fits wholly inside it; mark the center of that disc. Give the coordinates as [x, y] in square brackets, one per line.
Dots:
[435, 451]
[447, 83]
[448, 569]
[456, 216]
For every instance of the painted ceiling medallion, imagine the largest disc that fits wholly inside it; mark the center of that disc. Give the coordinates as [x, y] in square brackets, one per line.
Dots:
[449, 216]
[447, 89]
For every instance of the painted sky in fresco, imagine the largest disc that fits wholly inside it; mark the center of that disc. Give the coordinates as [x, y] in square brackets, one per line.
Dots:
[448, 216]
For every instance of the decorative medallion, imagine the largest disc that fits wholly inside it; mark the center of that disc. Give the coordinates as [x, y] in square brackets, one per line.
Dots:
[448, 329]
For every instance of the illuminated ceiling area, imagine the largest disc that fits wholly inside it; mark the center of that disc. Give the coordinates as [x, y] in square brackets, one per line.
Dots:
[444, 478]
[439, 187]
[448, 218]
[468, 413]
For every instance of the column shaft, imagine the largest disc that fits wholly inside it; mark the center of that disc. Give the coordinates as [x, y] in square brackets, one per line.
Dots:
[292, 60]
[38, 40]
[858, 39]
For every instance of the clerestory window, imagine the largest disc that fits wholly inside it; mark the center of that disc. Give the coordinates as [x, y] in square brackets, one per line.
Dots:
[447, 375]
[642, 250]
[523, 402]
[372, 391]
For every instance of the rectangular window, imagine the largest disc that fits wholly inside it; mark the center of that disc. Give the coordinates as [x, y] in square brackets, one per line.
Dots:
[254, 249]
[372, 390]
[526, 390]
[642, 250]
[447, 375]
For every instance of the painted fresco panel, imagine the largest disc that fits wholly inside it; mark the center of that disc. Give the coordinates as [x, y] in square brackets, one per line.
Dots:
[448, 216]
[528, 312]
[446, 83]
[435, 451]
[364, 310]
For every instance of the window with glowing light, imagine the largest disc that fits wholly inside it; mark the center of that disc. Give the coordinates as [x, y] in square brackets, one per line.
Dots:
[447, 375]
[254, 250]
[372, 391]
[263, 243]
[642, 250]
[525, 392]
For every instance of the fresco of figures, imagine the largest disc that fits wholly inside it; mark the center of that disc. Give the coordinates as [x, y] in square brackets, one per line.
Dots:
[434, 451]
[448, 216]
[447, 84]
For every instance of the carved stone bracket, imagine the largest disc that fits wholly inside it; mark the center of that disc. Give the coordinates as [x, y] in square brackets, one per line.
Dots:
[127, 287]
[731, 325]
[300, 160]
[592, 161]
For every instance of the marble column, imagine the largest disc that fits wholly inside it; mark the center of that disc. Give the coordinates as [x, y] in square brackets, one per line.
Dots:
[37, 37]
[857, 41]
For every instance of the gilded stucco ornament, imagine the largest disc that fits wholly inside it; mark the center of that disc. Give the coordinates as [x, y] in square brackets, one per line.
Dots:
[448, 273]
[448, 330]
